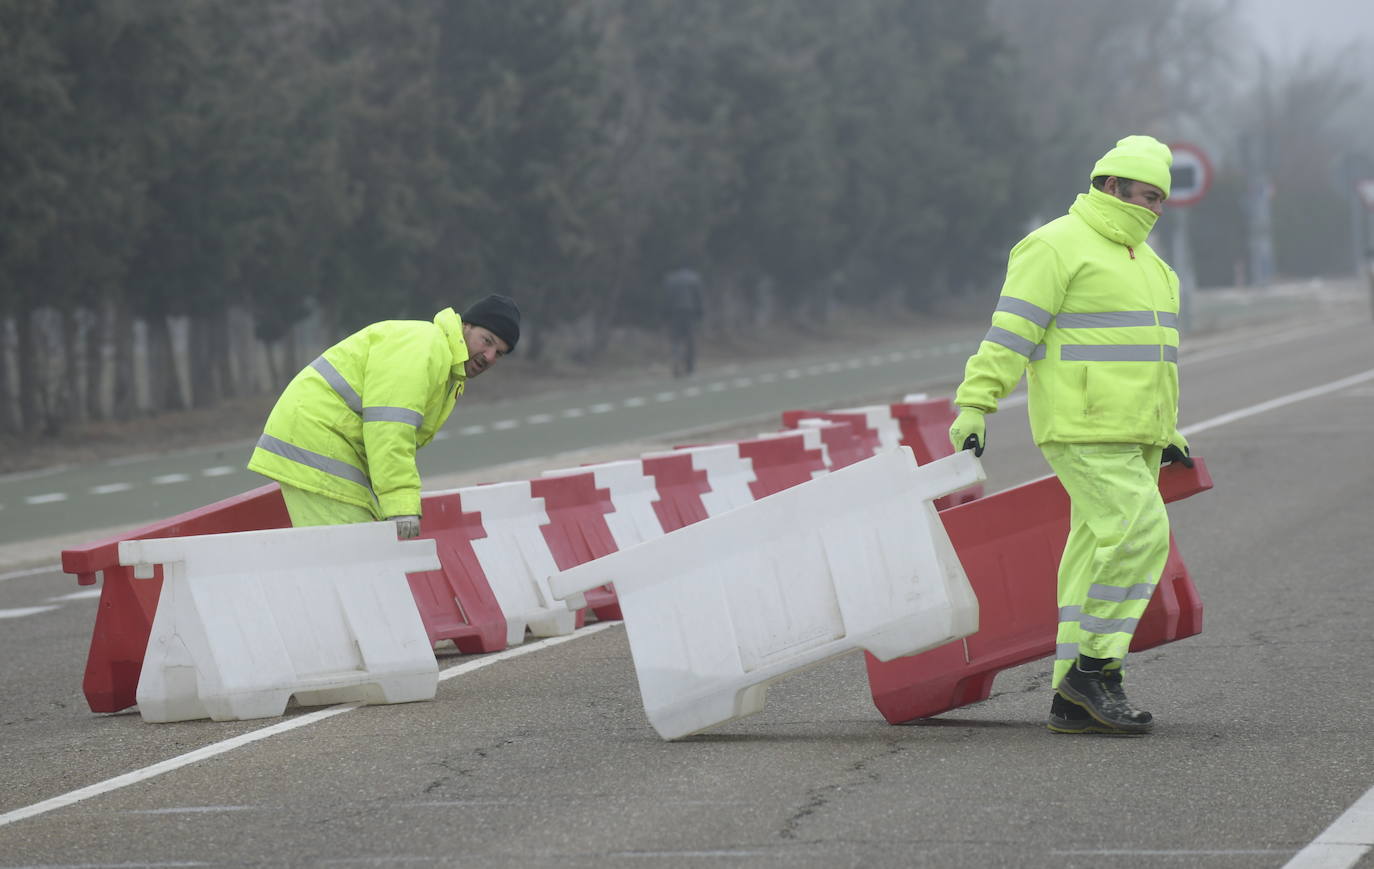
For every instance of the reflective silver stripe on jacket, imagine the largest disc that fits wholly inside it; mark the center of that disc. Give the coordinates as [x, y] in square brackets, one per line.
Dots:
[393, 414]
[310, 459]
[1106, 320]
[1168, 319]
[336, 380]
[1110, 353]
[1066, 651]
[1094, 625]
[1010, 340]
[1170, 354]
[1069, 613]
[1021, 308]
[1118, 594]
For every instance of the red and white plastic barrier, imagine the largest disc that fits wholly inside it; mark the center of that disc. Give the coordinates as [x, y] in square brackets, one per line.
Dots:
[1009, 544]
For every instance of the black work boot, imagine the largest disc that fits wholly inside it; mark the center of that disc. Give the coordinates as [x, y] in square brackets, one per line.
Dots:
[1067, 717]
[1101, 695]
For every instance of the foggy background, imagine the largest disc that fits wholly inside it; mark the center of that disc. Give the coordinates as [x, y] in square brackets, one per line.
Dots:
[197, 196]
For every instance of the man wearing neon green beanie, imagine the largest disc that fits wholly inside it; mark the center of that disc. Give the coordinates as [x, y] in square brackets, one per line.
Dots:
[1090, 314]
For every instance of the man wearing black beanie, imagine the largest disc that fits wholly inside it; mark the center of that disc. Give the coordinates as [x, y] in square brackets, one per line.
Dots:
[342, 437]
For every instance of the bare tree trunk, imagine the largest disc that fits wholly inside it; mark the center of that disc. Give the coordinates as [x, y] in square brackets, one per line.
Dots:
[69, 398]
[29, 381]
[9, 414]
[204, 389]
[162, 367]
[96, 340]
[123, 393]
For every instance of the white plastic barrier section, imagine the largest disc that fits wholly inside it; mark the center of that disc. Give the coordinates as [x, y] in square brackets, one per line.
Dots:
[516, 560]
[249, 619]
[856, 559]
[633, 495]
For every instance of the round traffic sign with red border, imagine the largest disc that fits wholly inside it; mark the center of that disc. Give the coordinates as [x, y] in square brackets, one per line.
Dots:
[1192, 174]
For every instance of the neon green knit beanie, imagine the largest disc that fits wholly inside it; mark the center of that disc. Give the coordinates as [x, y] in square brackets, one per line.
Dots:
[1139, 158]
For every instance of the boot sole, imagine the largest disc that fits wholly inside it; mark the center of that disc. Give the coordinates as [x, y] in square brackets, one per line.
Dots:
[1068, 693]
[1073, 727]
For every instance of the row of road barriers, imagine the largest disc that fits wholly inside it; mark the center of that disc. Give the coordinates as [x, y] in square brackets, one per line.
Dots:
[498, 561]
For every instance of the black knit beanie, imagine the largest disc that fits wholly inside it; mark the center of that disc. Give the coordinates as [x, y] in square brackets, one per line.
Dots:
[499, 314]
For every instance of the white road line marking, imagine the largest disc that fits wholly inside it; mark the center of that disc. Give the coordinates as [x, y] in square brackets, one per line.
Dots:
[634, 401]
[472, 430]
[768, 378]
[716, 387]
[1281, 401]
[191, 810]
[167, 479]
[573, 413]
[442, 435]
[877, 360]
[896, 356]
[20, 612]
[666, 396]
[31, 571]
[505, 424]
[792, 373]
[603, 407]
[539, 418]
[111, 488]
[76, 595]
[49, 498]
[742, 382]
[219, 471]
[1344, 843]
[692, 391]
[218, 748]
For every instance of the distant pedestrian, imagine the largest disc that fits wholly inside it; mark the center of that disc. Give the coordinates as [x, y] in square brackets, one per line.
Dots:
[1089, 314]
[342, 437]
[683, 309]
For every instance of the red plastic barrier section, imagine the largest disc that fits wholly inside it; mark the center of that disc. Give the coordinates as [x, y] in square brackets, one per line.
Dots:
[577, 531]
[780, 462]
[125, 616]
[1009, 545]
[680, 486]
[456, 602]
[847, 437]
[925, 428]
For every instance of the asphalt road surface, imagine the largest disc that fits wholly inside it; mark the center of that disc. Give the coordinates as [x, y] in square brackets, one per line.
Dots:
[1262, 756]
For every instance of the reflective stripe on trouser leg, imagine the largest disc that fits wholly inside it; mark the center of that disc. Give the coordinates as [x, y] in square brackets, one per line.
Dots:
[307, 508]
[1117, 546]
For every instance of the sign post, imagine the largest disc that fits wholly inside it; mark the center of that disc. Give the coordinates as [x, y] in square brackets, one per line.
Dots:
[1191, 179]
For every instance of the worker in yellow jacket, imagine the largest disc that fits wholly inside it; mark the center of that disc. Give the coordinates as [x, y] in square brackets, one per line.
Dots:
[342, 437]
[1090, 314]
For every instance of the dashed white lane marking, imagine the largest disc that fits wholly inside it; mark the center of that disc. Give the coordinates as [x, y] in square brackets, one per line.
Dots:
[792, 373]
[634, 401]
[742, 382]
[573, 413]
[666, 396]
[168, 479]
[48, 498]
[218, 748]
[539, 418]
[76, 595]
[603, 407]
[505, 424]
[219, 471]
[692, 391]
[20, 612]
[716, 387]
[1282, 400]
[472, 430]
[111, 488]
[30, 571]
[1344, 843]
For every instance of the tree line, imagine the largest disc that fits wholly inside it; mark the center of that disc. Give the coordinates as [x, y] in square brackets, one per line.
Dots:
[229, 165]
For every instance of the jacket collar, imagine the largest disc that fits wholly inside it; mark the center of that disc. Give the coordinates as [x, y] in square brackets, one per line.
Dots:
[1113, 219]
[452, 326]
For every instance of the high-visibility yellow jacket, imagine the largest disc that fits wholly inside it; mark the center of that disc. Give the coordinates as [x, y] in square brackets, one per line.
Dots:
[347, 426]
[1090, 313]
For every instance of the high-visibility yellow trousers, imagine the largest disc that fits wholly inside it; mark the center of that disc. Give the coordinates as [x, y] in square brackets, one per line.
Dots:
[1117, 546]
[308, 508]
